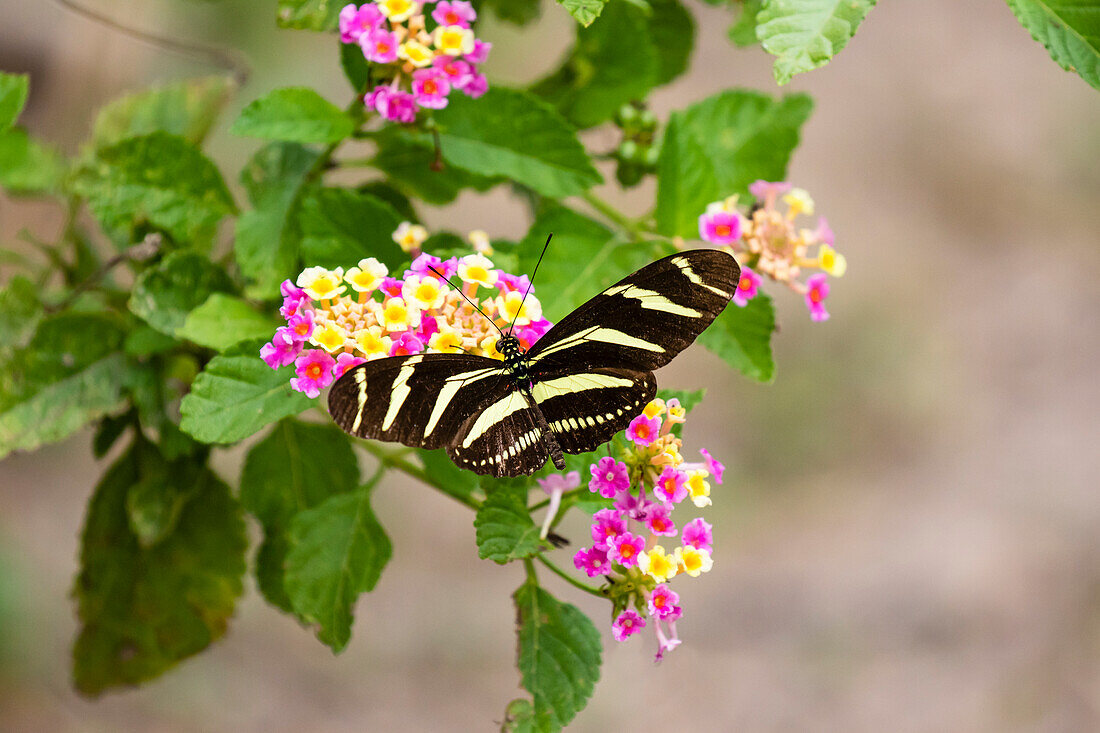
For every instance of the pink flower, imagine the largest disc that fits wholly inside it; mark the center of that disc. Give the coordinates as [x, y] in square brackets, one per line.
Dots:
[391, 287]
[667, 643]
[476, 86]
[715, 467]
[670, 486]
[354, 22]
[405, 344]
[594, 561]
[767, 192]
[627, 624]
[658, 521]
[824, 233]
[624, 549]
[458, 72]
[747, 287]
[720, 227]
[345, 362]
[816, 293]
[480, 52]
[293, 299]
[662, 601]
[607, 524]
[423, 265]
[559, 482]
[512, 283]
[697, 534]
[393, 104]
[314, 370]
[457, 12]
[300, 326]
[643, 430]
[527, 337]
[609, 477]
[634, 507]
[431, 87]
[282, 350]
[380, 46]
[429, 326]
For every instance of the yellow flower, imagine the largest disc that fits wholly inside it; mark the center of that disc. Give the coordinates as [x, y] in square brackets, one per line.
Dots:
[416, 53]
[676, 412]
[480, 240]
[410, 236]
[489, 346]
[657, 565]
[371, 342]
[445, 340]
[331, 338]
[423, 292]
[320, 283]
[367, 276]
[508, 306]
[453, 40]
[692, 561]
[397, 315]
[799, 202]
[477, 269]
[655, 408]
[831, 261]
[698, 488]
[397, 10]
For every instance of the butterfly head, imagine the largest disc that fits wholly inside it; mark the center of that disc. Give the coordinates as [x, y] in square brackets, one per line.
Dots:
[509, 346]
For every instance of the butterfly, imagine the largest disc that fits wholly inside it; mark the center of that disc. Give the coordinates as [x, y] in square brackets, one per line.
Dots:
[584, 381]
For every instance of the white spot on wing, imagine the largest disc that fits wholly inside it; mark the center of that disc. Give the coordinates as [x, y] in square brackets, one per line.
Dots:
[400, 390]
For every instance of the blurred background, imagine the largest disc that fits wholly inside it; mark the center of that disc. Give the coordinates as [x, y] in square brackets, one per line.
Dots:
[908, 538]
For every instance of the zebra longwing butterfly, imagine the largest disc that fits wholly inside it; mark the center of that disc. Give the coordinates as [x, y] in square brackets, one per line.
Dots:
[578, 385]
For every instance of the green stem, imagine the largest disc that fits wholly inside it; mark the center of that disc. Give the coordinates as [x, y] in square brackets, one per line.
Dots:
[612, 214]
[394, 459]
[566, 577]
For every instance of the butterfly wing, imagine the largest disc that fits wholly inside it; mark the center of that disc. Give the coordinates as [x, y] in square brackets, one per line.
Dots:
[421, 400]
[502, 437]
[642, 321]
[585, 409]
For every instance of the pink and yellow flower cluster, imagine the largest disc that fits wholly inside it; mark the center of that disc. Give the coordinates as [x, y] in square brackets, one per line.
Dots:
[336, 319]
[419, 57]
[646, 484]
[768, 241]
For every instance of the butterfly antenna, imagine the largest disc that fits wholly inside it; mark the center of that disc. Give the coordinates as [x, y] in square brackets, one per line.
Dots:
[459, 291]
[530, 284]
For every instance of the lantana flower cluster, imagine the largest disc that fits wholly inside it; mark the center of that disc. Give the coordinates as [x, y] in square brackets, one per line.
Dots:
[336, 319]
[636, 544]
[768, 241]
[421, 51]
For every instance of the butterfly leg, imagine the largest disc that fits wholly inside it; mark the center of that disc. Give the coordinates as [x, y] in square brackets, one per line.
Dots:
[548, 436]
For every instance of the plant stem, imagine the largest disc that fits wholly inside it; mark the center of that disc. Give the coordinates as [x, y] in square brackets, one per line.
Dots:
[568, 578]
[612, 214]
[394, 459]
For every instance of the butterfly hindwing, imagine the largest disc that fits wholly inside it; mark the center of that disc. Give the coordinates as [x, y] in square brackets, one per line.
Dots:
[585, 409]
[420, 400]
[645, 319]
[501, 437]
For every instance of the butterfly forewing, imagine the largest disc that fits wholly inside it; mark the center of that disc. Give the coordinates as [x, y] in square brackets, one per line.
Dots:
[585, 409]
[501, 437]
[645, 319]
[419, 400]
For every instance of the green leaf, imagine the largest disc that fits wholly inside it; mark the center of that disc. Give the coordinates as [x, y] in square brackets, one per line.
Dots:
[407, 162]
[443, 471]
[154, 504]
[518, 12]
[164, 295]
[294, 114]
[672, 31]
[743, 31]
[296, 467]
[513, 134]
[742, 337]
[805, 34]
[236, 395]
[223, 320]
[20, 313]
[585, 11]
[13, 95]
[144, 609]
[558, 656]
[576, 256]
[337, 551]
[312, 15]
[717, 147]
[341, 227]
[187, 108]
[611, 63]
[269, 236]
[27, 166]
[1068, 29]
[158, 178]
[519, 717]
[356, 67]
[70, 375]
[505, 530]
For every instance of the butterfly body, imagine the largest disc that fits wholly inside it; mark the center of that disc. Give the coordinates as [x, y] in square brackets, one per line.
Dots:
[578, 385]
